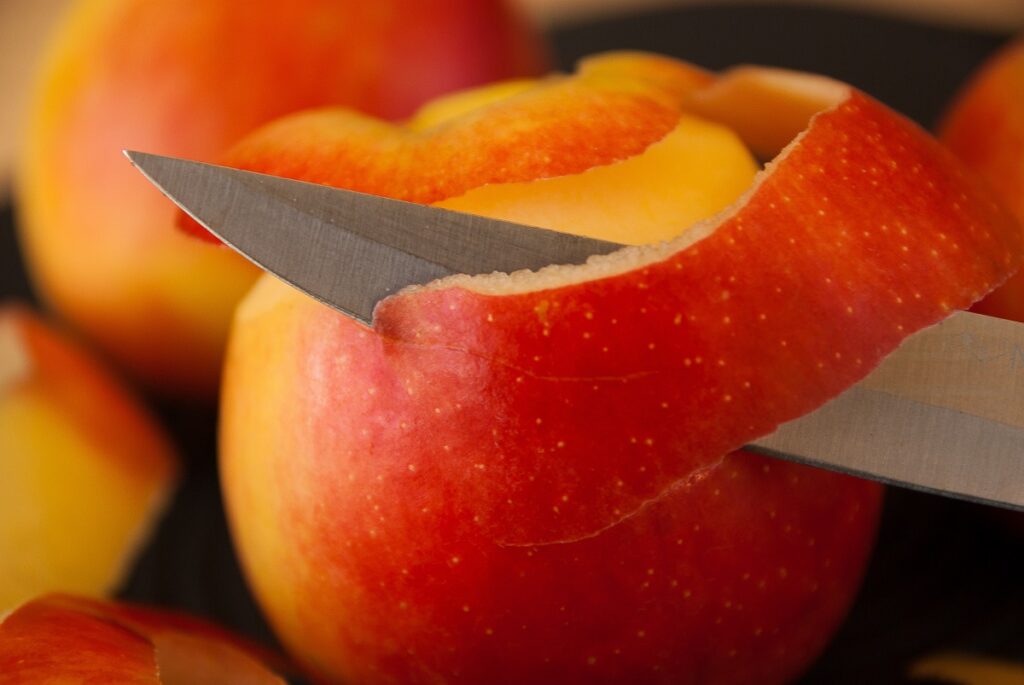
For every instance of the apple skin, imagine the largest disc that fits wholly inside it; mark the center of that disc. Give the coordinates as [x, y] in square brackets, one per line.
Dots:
[66, 639]
[374, 508]
[520, 479]
[85, 469]
[188, 79]
[985, 128]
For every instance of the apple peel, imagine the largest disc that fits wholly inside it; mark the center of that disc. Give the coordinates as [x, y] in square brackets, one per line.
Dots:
[705, 342]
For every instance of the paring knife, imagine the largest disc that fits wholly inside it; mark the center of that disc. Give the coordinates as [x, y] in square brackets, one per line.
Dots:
[944, 413]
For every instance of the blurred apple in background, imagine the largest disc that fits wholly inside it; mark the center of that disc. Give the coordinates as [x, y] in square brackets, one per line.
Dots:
[985, 128]
[84, 469]
[65, 640]
[189, 78]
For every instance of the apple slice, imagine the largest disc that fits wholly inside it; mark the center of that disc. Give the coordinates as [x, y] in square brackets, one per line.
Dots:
[529, 477]
[85, 471]
[66, 639]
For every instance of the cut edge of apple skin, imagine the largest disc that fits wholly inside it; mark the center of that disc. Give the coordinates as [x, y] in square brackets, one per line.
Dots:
[808, 94]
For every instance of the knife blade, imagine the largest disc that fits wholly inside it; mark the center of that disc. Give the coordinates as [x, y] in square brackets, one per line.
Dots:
[944, 413]
[351, 250]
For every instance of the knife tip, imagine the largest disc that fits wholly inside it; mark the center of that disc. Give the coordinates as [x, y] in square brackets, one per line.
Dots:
[149, 165]
[134, 156]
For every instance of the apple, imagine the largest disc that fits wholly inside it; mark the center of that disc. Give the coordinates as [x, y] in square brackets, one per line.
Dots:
[189, 78]
[985, 128]
[66, 639]
[85, 470]
[532, 477]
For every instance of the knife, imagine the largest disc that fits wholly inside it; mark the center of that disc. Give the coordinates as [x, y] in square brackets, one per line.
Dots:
[944, 413]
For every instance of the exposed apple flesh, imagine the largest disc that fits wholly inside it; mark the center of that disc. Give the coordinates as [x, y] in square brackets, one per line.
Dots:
[64, 639]
[84, 469]
[521, 478]
[985, 128]
[695, 171]
[621, 169]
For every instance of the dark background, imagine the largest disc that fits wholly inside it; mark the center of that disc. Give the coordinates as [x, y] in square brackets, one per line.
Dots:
[947, 576]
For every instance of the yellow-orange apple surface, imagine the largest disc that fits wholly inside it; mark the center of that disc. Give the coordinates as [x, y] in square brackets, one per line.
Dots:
[985, 128]
[84, 469]
[189, 78]
[533, 478]
[63, 639]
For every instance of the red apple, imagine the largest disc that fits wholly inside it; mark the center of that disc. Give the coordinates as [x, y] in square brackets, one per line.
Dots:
[985, 128]
[189, 78]
[85, 470]
[60, 639]
[528, 478]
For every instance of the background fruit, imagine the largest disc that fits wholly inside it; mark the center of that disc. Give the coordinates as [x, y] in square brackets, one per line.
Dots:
[84, 469]
[985, 128]
[189, 78]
